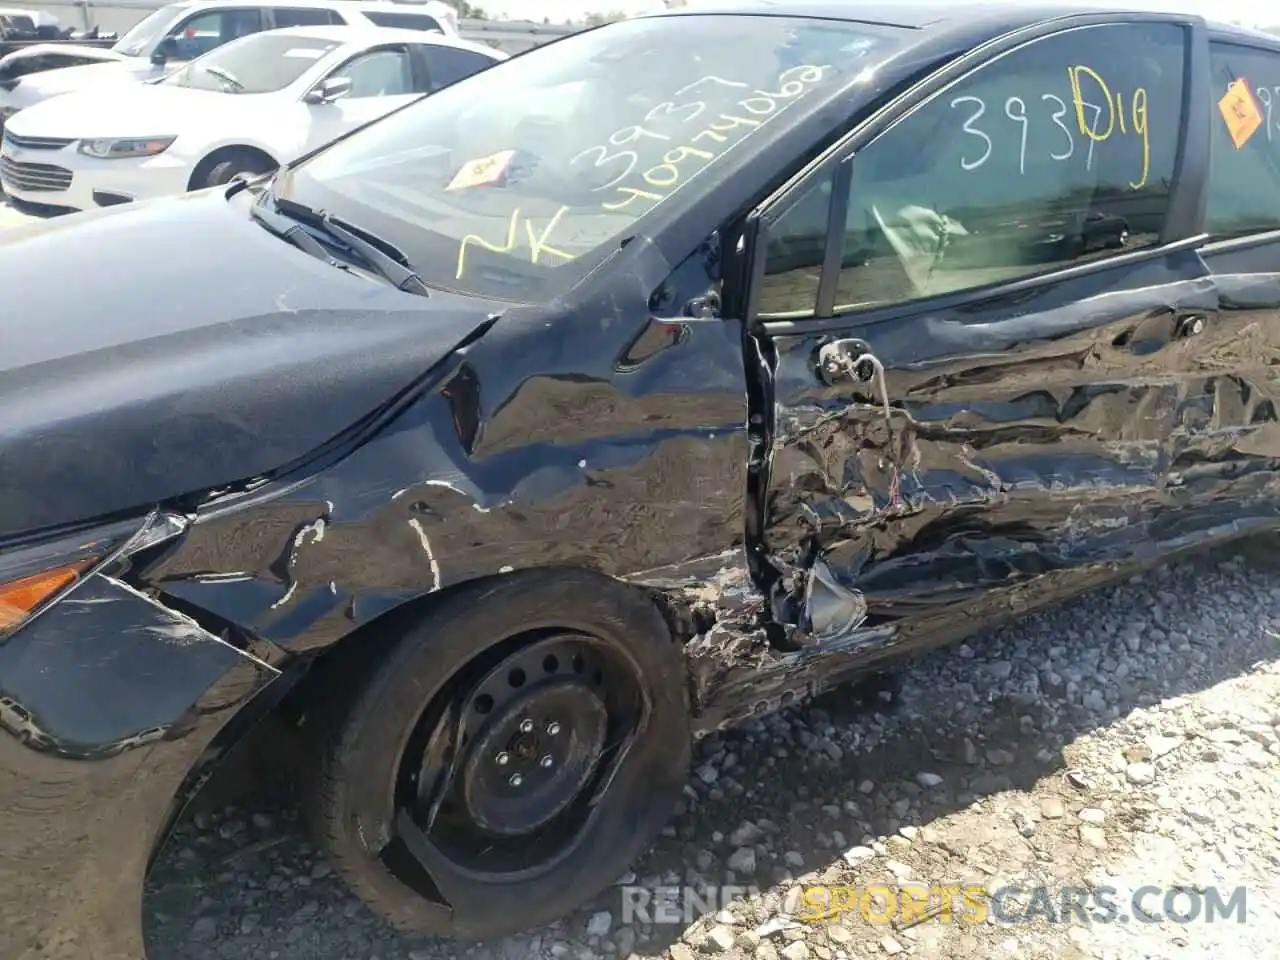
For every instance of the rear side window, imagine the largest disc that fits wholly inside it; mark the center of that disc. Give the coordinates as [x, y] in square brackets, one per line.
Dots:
[404, 21]
[1058, 152]
[449, 65]
[303, 17]
[1244, 170]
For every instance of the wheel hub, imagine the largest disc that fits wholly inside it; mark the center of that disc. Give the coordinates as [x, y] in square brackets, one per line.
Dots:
[533, 756]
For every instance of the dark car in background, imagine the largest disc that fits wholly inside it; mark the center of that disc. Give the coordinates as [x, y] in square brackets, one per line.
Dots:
[652, 380]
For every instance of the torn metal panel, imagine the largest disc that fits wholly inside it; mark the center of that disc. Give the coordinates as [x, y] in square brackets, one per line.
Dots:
[1028, 447]
[107, 665]
[108, 699]
[616, 443]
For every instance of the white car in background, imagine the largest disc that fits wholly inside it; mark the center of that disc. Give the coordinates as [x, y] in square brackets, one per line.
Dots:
[240, 110]
[179, 32]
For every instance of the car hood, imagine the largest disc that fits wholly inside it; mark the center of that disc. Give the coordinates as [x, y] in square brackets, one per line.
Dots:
[136, 110]
[173, 347]
[47, 83]
[106, 54]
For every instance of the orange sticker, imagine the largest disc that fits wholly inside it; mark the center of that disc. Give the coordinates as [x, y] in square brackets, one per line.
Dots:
[482, 172]
[1240, 111]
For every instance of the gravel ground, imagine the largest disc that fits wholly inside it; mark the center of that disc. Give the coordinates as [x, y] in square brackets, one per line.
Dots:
[1127, 739]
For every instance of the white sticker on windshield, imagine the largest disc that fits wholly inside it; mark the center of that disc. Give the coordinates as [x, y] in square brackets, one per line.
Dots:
[304, 53]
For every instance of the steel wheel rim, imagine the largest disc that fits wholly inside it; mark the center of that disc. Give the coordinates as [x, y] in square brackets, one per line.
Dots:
[574, 698]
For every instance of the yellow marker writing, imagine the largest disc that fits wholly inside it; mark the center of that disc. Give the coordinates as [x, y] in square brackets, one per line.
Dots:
[538, 244]
[633, 193]
[482, 242]
[1078, 97]
[1137, 115]
[1140, 128]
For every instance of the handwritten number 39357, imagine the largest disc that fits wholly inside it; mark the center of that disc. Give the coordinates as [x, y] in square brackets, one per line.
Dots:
[1015, 108]
[601, 157]
[630, 159]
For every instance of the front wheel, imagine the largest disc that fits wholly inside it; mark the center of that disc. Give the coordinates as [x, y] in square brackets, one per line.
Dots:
[222, 169]
[508, 757]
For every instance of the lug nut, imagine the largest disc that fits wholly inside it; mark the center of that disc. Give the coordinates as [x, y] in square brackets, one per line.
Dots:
[516, 780]
[546, 761]
[553, 728]
[526, 726]
[503, 758]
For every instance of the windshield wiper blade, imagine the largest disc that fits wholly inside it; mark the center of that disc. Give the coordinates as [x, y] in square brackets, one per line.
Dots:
[226, 75]
[393, 269]
[292, 232]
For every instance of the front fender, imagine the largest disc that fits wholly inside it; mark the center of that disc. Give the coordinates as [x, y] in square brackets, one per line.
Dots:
[110, 699]
[604, 438]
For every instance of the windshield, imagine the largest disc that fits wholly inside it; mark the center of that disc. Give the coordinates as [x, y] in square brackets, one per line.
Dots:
[259, 63]
[146, 33]
[513, 181]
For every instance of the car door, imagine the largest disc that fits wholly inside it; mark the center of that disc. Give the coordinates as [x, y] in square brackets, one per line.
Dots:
[978, 319]
[1243, 220]
[382, 78]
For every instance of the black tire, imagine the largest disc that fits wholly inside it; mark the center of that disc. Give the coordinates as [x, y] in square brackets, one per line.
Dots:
[610, 650]
[226, 167]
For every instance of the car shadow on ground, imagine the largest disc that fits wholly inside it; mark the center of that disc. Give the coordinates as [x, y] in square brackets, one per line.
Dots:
[798, 790]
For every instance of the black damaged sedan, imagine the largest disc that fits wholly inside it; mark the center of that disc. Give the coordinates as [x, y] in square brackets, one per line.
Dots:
[650, 381]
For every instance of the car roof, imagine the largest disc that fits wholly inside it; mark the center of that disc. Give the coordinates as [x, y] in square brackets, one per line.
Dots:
[922, 15]
[363, 34]
[430, 9]
[1231, 31]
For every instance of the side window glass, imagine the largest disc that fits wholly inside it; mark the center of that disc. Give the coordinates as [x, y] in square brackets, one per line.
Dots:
[449, 65]
[381, 73]
[403, 21]
[793, 258]
[1244, 159]
[1056, 153]
[303, 17]
[203, 32]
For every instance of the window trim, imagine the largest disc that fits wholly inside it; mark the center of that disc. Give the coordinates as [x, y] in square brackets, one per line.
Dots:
[1245, 240]
[1184, 221]
[1242, 242]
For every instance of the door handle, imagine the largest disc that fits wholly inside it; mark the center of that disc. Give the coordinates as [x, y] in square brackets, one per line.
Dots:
[1191, 324]
[846, 359]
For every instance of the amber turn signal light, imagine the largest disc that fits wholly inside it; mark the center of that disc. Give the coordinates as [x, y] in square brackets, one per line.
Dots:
[20, 598]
